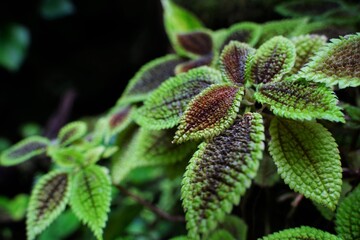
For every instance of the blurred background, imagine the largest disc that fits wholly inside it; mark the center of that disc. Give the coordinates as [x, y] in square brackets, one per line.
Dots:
[72, 58]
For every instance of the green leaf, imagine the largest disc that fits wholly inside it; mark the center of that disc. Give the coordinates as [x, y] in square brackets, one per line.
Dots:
[67, 157]
[221, 234]
[178, 20]
[300, 100]
[71, 132]
[348, 215]
[232, 61]
[306, 47]
[53, 9]
[236, 226]
[118, 120]
[91, 196]
[307, 158]
[24, 150]
[14, 42]
[48, 199]
[205, 60]
[336, 63]
[219, 173]
[286, 28]
[14, 208]
[272, 61]
[267, 174]
[209, 113]
[197, 42]
[149, 77]
[166, 104]
[301, 233]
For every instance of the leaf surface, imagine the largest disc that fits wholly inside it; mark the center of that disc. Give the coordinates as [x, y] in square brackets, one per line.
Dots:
[71, 132]
[301, 233]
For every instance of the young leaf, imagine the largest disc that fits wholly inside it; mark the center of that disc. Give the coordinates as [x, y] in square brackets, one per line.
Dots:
[166, 104]
[48, 199]
[307, 159]
[90, 197]
[300, 100]
[24, 150]
[219, 173]
[286, 28]
[209, 113]
[71, 132]
[245, 32]
[149, 77]
[66, 157]
[221, 234]
[118, 120]
[337, 63]
[272, 61]
[232, 61]
[196, 42]
[301, 233]
[348, 215]
[306, 47]
[205, 60]
[178, 20]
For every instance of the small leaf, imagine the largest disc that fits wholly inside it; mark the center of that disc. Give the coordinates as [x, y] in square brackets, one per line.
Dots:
[336, 63]
[219, 173]
[348, 215]
[245, 32]
[286, 28]
[272, 61]
[232, 62]
[307, 159]
[300, 100]
[48, 199]
[301, 233]
[24, 150]
[236, 226]
[90, 197]
[267, 174]
[209, 113]
[178, 20]
[54, 9]
[66, 157]
[221, 234]
[166, 104]
[205, 60]
[306, 47]
[196, 42]
[149, 77]
[71, 132]
[118, 120]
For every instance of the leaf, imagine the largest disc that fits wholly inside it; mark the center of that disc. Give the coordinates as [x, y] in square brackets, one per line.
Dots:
[205, 60]
[14, 208]
[286, 28]
[48, 199]
[245, 32]
[24, 150]
[232, 61]
[221, 234]
[348, 215]
[301, 233]
[307, 158]
[14, 42]
[54, 9]
[148, 78]
[209, 113]
[236, 226]
[178, 20]
[267, 174]
[336, 63]
[71, 132]
[272, 61]
[166, 104]
[300, 100]
[91, 196]
[67, 157]
[118, 120]
[197, 42]
[306, 47]
[219, 173]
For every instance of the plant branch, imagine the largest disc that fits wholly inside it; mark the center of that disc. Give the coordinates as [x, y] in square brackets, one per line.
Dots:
[150, 206]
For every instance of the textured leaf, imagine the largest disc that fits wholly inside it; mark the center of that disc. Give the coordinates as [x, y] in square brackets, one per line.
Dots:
[219, 173]
[90, 197]
[348, 216]
[245, 32]
[209, 113]
[118, 120]
[232, 61]
[272, 61]
[178, 20]
[24, 150]
[71, 132]
[149, 77]
[307, 159]
[300, 233]
[337, 63]
[48, 199]
[66, 157]
[306, 47]
[286, 28]
[205, 60]
[167, 103]
[196, 42]
[221, 234]
[300, 100]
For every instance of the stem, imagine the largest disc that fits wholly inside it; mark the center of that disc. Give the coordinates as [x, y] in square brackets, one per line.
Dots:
[150, 206]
